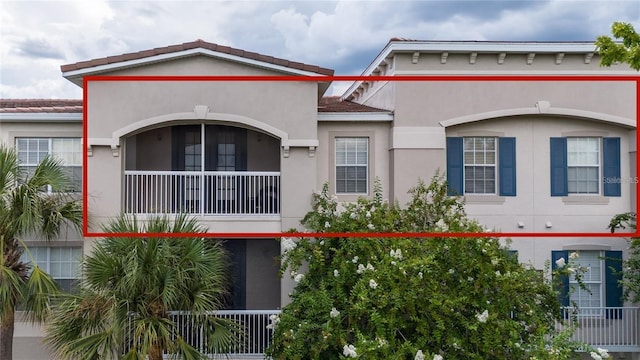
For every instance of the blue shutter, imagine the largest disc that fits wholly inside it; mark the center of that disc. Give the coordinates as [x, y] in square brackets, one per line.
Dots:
[612, 277]
[558, 173]
[507, 165]
[611, 166]
[564, 281]
[455, 166]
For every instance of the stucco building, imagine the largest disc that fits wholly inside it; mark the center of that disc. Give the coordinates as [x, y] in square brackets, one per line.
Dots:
[533, 156]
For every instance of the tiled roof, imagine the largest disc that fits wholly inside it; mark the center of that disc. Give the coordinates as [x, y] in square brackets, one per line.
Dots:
[194, 45]
[40, 106]
[334, 104]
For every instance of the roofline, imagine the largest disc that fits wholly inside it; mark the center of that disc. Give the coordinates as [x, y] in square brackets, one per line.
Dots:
[41, 117]
[396, 45]
[75, 76]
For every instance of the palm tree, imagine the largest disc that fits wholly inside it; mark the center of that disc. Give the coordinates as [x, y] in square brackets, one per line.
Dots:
[133, 283]
[27, 210]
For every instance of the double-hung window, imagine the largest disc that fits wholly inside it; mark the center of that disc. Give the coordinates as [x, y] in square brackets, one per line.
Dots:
[62, 263]
[31, 151]
[585, 166]
[602, 271]
[352, 165]
[481, 165]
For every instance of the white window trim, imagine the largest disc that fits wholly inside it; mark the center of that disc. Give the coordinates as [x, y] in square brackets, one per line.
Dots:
[495, 167]
[366, 166]
[50, 140]
[599, 166]
[585, 311]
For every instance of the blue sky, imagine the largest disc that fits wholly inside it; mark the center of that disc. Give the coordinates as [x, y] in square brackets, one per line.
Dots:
[36, 37]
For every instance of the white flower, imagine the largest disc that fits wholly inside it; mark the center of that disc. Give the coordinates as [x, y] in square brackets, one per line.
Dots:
[275, 319]
[353, 215]
[437, 357]
[361, 269]
[321, 242]
[349, 351]
[373, 284]
[288, 244]
[293, 273]
[392, 253]
[370, 267]
[494, 262]
[560, 262]
[420, 274]
[370, 226]
[334, 313]
[571, 270]
[355, 259]
[451, 271]
[604, 353]
[441, 225]
[336, 273]
[498, 273]
[595, 355]
[483, 317]
[298, 278]
[574, 255]
[368, 214]
[327, 225]
[419, 355]
[470, 279]
[397, 254]
[393, 263]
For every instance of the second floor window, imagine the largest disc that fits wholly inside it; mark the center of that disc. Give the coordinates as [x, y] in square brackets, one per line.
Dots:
[583, 165]
[31, 151]
[352, 165]
[480, 165]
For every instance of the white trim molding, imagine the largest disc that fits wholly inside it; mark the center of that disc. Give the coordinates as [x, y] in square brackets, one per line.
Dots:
[542, 107]
[41, 117]
[356, 116]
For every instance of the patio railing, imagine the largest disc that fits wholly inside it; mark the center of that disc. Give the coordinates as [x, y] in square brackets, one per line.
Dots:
[202, 192]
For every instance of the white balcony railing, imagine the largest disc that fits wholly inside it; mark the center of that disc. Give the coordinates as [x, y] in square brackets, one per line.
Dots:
[202, 192]
[613, 328]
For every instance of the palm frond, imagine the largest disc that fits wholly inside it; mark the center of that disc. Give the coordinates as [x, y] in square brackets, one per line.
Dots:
[39, 288]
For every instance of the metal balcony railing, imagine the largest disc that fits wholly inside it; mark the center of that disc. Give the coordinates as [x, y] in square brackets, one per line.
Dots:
[202, 192]
[611, 328]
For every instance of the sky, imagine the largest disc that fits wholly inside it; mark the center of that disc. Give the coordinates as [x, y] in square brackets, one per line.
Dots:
[36, 37]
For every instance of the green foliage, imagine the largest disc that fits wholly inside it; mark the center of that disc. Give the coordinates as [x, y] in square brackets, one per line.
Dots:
[131, 286]
[631, 273]
[614, 52]
[412, 298]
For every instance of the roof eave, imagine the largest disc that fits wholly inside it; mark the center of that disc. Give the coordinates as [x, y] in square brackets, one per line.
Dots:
[76, 76]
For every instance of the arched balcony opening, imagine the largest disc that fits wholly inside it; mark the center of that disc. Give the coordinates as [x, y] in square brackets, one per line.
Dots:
[202, 169]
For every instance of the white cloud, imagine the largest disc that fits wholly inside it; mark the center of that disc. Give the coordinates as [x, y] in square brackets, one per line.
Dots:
[39, 36]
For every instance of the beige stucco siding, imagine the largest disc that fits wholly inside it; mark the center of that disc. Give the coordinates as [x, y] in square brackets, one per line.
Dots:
[428, 103]
[378, 134]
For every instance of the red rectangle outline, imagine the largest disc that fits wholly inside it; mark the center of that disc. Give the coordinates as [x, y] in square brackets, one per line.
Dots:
[455, 78]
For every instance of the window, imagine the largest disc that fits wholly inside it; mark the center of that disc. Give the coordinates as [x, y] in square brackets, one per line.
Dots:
[352, 165]
[580, 165]
[481, 165]
[226, 157]
[591, 297]
[583, 165]
[31, 151]
[601, 279]
[62, 263]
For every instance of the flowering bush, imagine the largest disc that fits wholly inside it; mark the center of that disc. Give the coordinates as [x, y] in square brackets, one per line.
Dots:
[412, 298]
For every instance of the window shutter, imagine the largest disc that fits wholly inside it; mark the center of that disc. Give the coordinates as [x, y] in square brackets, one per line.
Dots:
[455, 166]
[612, 276]
[558, 173]
[507, 165]
[611, 166]
[564, 287]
